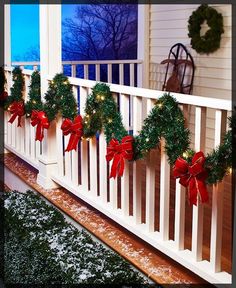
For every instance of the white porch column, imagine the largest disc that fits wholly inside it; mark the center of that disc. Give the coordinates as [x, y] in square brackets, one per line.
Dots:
[50, 64]
[143, 45]
[7, 35]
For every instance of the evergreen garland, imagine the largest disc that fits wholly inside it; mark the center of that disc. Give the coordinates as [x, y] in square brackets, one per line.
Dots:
[220, 159]
[209, 42]
[59, 98]
[101, 111]
[17, 88]
[34, 102]
[164, 120]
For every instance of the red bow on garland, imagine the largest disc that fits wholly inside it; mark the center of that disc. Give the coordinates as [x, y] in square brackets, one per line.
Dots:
[192, 176]
[17, 109]
[41, 120]
[118, 152]
[75, 129]
[3, 95]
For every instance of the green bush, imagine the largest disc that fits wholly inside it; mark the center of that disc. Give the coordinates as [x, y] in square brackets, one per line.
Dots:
[42, 248]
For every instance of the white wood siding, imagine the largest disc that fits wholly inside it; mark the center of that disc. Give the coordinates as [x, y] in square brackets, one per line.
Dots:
[168, 26]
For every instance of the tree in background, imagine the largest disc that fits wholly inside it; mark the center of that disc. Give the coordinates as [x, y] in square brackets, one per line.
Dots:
[101, 31]
[97, 32]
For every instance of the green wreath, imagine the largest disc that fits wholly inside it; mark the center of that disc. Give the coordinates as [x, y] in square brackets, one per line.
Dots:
[209, 42]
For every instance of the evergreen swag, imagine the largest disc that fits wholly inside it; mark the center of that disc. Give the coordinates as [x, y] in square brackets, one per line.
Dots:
[15, 102]
[59, 98]
[34, 102]
[17, 88]
[164, 120]
[209, 42]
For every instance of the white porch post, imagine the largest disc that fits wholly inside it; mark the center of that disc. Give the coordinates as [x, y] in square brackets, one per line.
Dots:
[7, 35]
[143, 45]
[50, 64]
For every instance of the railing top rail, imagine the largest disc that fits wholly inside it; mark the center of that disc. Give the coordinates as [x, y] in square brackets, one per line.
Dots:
[200, 101]
[24, 71]
[25, 63]
[83, 62]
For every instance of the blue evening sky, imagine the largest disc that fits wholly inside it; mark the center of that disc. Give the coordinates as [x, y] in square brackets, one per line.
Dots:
[25, 27]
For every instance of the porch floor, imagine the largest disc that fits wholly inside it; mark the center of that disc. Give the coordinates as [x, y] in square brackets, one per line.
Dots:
[150, 261]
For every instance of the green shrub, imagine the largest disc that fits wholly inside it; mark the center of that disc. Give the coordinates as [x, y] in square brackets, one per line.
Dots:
[42, 248]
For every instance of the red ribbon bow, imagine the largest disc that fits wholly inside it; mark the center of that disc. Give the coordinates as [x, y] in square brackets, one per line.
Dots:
[118, 152]
[40, 119]
[75, 129]
[192, 176]
[17, 109]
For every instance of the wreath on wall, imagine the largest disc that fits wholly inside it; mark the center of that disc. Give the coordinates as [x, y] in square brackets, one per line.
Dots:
[209, 42]
[165, 120]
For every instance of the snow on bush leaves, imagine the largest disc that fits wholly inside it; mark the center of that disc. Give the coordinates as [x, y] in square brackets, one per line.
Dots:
[41, 247]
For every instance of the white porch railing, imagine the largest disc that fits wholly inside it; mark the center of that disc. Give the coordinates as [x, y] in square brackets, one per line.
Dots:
[111, 71]
[85, 173]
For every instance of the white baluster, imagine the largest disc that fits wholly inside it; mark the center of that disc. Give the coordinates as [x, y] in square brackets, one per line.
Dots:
[150, 182]
[86, 71]
[197, 226]
[102, 168]
[75, 154]
[97, 70]
[137, 175]
[84, 143]
[73, 70]
[180, 199]
[164, 193]
[124, 109]
[217, 203]
[109, 73]
[67, 159]
[179, 215]
[93, 165]
[121, 74]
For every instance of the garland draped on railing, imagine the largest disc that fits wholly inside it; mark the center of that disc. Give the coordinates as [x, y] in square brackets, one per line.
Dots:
[165, 120]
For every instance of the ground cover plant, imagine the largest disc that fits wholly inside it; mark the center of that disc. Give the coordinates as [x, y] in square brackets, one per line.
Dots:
[42, 248]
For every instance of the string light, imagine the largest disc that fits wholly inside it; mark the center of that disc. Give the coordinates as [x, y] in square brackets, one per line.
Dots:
[159, 105]
[185, 154]
[34, 102]
[230, 170]
[102, 98]
[147, 139]
[109, 120]
[94, 111]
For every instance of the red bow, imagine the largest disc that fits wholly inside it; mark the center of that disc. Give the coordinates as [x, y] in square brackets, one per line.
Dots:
[75, 129]
[41, 120]
[118, 152]
[3, 95]
[192, 176]
[17, 109]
